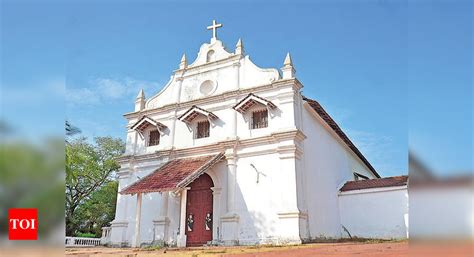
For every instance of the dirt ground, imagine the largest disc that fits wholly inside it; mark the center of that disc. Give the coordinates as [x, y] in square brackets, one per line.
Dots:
[386, 249]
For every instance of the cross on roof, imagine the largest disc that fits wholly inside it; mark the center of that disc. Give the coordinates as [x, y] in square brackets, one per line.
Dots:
[214, 27]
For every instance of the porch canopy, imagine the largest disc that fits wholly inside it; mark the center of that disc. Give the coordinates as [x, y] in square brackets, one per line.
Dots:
[144, 122]
[195, 111]
[173, 175]
[250, 100]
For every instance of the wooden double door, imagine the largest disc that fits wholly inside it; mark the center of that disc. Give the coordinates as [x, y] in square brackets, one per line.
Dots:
[199, 216]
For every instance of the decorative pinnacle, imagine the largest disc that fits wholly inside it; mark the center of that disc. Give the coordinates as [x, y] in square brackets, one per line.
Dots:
[141, 94]
[288, 61]
[239, 47]
[288, 69]
[239, 43]
[184, 63]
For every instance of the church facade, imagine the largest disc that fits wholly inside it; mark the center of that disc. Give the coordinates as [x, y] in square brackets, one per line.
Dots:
[228, 153]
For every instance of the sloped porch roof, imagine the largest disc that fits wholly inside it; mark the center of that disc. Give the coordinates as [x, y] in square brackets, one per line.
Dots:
[173, 175]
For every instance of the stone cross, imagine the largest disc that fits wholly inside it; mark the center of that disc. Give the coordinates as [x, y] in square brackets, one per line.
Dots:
[214, 27]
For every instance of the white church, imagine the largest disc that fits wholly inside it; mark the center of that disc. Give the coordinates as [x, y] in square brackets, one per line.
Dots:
[228, 153]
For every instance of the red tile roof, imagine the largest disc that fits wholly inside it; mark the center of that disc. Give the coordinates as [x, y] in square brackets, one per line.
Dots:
[375, 183]
[173, 175]
[327, 118]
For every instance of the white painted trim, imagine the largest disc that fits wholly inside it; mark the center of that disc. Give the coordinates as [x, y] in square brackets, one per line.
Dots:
[372, 190]
[216, 147]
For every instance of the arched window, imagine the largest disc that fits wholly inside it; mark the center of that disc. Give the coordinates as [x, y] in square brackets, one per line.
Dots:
[210, 56]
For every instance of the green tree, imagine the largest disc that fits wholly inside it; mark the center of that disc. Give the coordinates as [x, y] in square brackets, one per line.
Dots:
[99, 210]
[71, 130]
[31, 176]
[90, 167]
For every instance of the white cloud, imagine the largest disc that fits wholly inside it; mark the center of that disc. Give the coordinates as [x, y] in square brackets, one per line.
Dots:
[109, 88]
[82, 96]
[103, 90]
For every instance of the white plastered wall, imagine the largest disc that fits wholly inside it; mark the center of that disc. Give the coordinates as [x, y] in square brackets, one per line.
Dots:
[328, 164]
[375, 213]
[257, 202]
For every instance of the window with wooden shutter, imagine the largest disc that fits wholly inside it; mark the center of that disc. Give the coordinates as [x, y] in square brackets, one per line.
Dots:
[154, 138]
[259, 119]
[202, 129]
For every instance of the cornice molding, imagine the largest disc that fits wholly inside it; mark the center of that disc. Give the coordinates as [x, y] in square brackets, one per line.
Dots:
[225, 96]
[294, 135]
[199, 68]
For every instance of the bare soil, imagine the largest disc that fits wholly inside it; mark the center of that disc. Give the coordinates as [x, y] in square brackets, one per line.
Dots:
[360, 249]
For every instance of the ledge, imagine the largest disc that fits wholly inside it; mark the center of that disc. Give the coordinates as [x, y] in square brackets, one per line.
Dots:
[230, 217]
[295, 84]
[292, 215]
[119, 223]
[220, 146]
[160, 221]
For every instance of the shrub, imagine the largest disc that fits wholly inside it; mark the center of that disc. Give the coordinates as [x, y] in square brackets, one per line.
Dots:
[90, 235]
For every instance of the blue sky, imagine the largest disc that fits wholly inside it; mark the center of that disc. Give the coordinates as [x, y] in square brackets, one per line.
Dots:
[393, 74]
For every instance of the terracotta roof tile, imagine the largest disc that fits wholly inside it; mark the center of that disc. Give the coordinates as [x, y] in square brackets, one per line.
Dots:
[173, 175]
[328, 119]
[375, 183]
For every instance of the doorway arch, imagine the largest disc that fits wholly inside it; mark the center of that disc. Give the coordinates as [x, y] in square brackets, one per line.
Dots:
[199, 211]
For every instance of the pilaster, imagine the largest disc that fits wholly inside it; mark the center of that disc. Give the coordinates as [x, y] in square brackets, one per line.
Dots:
[216, 223]
[138, 213]
[161, 223]
[230, 220]
[290, 216]
[181, 240]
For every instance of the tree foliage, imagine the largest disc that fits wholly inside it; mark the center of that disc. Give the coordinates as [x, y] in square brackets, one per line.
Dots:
[71, 130]
[31, 175]
[98, 210]
[89, 167]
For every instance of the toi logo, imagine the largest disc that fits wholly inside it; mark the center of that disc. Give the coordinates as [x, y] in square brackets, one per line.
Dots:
[22, 224]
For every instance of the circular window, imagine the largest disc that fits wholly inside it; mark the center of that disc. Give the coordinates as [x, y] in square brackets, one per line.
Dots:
[207, 87]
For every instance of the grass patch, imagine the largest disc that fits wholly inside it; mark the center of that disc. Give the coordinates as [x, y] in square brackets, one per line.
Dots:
[152, 248]
[215, 251]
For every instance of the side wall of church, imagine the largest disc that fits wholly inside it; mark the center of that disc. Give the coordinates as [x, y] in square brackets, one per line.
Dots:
[328, 164]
